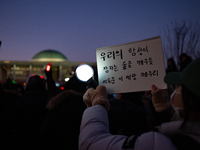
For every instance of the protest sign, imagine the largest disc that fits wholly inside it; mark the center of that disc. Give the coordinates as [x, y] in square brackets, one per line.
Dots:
[132, 66]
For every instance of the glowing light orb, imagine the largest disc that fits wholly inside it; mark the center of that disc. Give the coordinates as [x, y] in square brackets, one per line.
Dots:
[84, 72]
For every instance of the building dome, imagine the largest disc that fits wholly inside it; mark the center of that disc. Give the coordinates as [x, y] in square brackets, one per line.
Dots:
[49, 55]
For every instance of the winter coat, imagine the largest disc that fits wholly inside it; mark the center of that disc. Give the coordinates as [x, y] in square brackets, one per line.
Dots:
[30, 112]
[95, 135]
[172, 129]
[60, 129]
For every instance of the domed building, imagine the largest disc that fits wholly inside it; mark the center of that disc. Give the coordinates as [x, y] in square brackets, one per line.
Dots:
[49, 55]
[20, 70]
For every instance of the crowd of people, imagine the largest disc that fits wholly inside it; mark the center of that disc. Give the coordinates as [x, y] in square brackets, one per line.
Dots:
[40, 115]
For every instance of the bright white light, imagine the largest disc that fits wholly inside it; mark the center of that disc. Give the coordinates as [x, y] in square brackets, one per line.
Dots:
[66, 79]
[84, 72]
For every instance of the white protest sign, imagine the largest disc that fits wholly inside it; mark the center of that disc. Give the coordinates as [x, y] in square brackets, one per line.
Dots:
[132, 66]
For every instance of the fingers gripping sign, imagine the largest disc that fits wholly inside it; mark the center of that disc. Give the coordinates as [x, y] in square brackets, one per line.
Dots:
[96, 96]
[161, 98]
[87, 98]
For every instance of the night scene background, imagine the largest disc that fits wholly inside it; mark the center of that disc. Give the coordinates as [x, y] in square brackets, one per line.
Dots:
[77, 28]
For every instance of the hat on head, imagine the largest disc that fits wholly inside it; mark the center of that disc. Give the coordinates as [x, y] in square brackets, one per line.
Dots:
[189, 77]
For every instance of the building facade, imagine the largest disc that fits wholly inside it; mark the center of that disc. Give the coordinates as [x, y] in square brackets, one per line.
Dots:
[19, 70]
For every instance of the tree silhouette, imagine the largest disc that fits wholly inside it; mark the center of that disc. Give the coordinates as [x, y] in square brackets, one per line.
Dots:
[181, 37]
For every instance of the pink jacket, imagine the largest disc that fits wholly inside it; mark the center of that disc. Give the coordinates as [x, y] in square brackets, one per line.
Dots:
[95, 135]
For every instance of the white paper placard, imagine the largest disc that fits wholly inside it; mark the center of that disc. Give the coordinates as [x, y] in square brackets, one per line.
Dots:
[132, 66]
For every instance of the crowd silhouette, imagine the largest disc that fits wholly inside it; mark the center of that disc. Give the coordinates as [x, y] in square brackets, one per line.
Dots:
[40, 115]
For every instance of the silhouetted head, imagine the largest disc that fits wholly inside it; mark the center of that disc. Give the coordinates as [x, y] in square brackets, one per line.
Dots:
[9, 85]
[35, 82]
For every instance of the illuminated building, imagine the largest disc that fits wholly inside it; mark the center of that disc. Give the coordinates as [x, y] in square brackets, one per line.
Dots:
[19, 70]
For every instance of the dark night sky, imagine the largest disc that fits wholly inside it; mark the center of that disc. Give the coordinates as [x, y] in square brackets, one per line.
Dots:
[77, 28]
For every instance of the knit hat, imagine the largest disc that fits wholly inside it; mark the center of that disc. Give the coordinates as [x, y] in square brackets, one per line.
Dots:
[189, 77]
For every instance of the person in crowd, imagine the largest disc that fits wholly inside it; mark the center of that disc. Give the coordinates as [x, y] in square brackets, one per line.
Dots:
[11, 92]
[171, 66]
[2, 100]
[60, 130]
[183, 132]
[124, 114]
[30, 112]
[20, 88]
[8, 97]
[125, 110]
[50, 83]
[184, 60]
[76, 85]
[3, 116]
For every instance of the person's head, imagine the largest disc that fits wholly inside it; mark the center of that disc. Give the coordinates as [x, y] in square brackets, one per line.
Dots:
[71, 99]
[187, 94]
[183, 57]
[184, 60]
[9, 85]
[35, 82]
[170, 62]
[76, 85]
